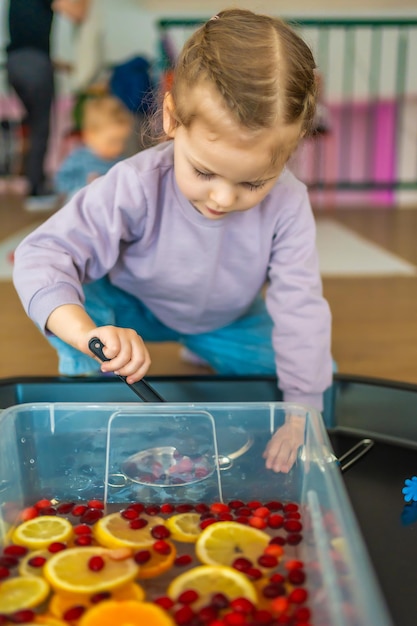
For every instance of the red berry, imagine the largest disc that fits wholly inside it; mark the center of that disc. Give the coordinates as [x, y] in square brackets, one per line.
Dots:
[136, 524]
[273, 591]
[242, 520]
[184, 559]
[3, 619]
[14, 550]
[73, 613]
[167, 508]
[302, 614]
[274, 505]
[262, 617]
[23, 616]
[225, 517]
[292, 515]
[236, 504]
[262, 511]
[242, 564]
[48, 510]
[296, 576]
[137, 506]
[160, 532]
[235, 619]
[99, 597]
[254, 504]
[29, 513]
[56, 546]
[207, 522]
[142, 556]
[219, 507]
[184, 508]
[275, 520]
[293, 525]
[96, 563]
[79, 510]
[294, 539]
[4, 573]
[245, 511]
[162, 547]
[257, 522]
[82, 529]
[268, 560]
[164, 602]
[184, 615]
[42, 504]
[290, 506]
[37, 561]
[8, 561]
[188, 596]
[65, 507]
[129, 514]
[279, 541]
[253, 573]
[277, 578]
[298, 596]
[219, 601]
[152, 509]
[242, 605]
[207, 614]
[201, 508]
[90, 516]
[95, 504]
[83, 540]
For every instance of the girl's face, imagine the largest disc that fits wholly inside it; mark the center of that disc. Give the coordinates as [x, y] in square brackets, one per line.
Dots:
[221, 167]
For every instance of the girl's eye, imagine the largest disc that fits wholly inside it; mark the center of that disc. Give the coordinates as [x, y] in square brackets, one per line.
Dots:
[253, 187]
[204, 175]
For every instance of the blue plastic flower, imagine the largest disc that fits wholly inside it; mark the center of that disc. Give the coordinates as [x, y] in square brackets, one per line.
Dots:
[410, 489]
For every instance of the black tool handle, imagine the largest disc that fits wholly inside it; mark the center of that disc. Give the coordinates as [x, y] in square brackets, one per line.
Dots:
[140, 388]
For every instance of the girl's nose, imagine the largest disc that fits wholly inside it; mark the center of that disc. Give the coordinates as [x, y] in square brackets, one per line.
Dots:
[223, 194]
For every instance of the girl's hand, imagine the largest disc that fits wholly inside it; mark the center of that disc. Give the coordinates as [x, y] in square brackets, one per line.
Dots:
[126, 349]
[282, 449]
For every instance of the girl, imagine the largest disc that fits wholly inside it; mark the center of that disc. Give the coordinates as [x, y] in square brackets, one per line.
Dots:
[177, 242]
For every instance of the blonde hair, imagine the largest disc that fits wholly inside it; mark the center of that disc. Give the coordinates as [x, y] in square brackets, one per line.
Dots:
[100, 111]
[260, 66]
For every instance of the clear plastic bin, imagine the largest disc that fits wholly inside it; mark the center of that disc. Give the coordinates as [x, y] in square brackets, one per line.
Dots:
[73, 451]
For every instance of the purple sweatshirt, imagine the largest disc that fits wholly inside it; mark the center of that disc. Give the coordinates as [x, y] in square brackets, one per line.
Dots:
[193, 273]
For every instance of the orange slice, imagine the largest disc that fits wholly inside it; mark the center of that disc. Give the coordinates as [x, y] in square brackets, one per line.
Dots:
[69, 571]
[158, 563]
[127, 613]
[62, 601]
[113, 531]
[40, 532]
[184, 527]
[209, 579]
[222, 542]
[22, 593]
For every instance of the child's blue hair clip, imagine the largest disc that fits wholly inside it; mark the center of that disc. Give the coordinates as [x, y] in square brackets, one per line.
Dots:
[410, 489]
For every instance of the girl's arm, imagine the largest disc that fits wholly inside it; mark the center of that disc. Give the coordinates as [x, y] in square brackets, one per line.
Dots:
[126, 349]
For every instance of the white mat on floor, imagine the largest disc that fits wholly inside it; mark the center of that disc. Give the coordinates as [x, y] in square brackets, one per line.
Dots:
[342, 253]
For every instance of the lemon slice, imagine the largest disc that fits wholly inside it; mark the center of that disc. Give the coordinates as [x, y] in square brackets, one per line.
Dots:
[113, 531]
[41, 531]
[223, 542]
[63, 600]
[25, 569]
[209, 579]
[69, 571]
[22, 593]
[184, 527]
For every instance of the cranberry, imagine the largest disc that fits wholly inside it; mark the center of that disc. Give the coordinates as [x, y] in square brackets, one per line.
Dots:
[242, 564]
[236, 504]
[207, 522]
[56, 546]
[96, 563]
[254, 504]
[292, 515]
[90, 516]
[184, 615]
[184, 508]
[184, 559]
[207, 515]
[302, 614]
[201, 508]
[274, 550]
[279, 541]
[74, 613]
[207, 614]
[65, 507]
[142, 556]
[136, 524]
[242, 605]
[167, 508]
[3, 619]
[257, 522]
[253, 573]
[298, 596]
[293, 525]
[99, 597]
[245, 511]
[95, 504]
[29, 513]
[79, 510]
[273, 591]
[219, 601]
[294, 539]
[137, 506]
[23, 616]
[277, 578]
[262, 511]
[225, 517]
[82, 529]
[8, 561]
[48, 510]
[275, 521]
[274, 505]
[162, 547]
[235, 619]
[15, 551]
[129, 514]
[4, 573]
[37, 561]
[42, 504]
[241, 519]
[268, 560]
[83, 540]
[152, 509]
[164, 602]
[296, 576]
[219, 507]
[263, 617]
[160, 532]
[188, 596]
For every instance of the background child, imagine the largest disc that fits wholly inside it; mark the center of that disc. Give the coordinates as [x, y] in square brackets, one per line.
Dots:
[106, 127]
[177, 242]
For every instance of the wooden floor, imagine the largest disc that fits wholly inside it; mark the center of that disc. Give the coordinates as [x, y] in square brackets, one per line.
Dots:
[374, 319]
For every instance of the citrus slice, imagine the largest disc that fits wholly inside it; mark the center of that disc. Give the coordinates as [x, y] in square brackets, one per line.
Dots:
[184, 527]
[39, 532]
[113, 531]
[209, 579]
[48, 620]
[223, 542]
[158, 563]
[69, 570]
[26, 569]
[22, 593]
[62, 601]
[126, 613]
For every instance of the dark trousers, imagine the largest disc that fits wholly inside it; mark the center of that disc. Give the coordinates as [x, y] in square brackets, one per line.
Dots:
[30, 73]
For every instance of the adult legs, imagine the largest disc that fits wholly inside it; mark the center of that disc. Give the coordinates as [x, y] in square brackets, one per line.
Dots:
[31, 75]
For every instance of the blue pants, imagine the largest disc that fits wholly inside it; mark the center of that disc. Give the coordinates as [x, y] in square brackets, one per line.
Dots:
[241, 348]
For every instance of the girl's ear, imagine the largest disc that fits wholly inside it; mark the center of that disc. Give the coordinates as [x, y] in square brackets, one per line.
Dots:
[169, 122]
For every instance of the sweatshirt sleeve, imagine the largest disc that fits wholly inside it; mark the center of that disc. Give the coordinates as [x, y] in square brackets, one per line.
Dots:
[80, 243]
[301, 315]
